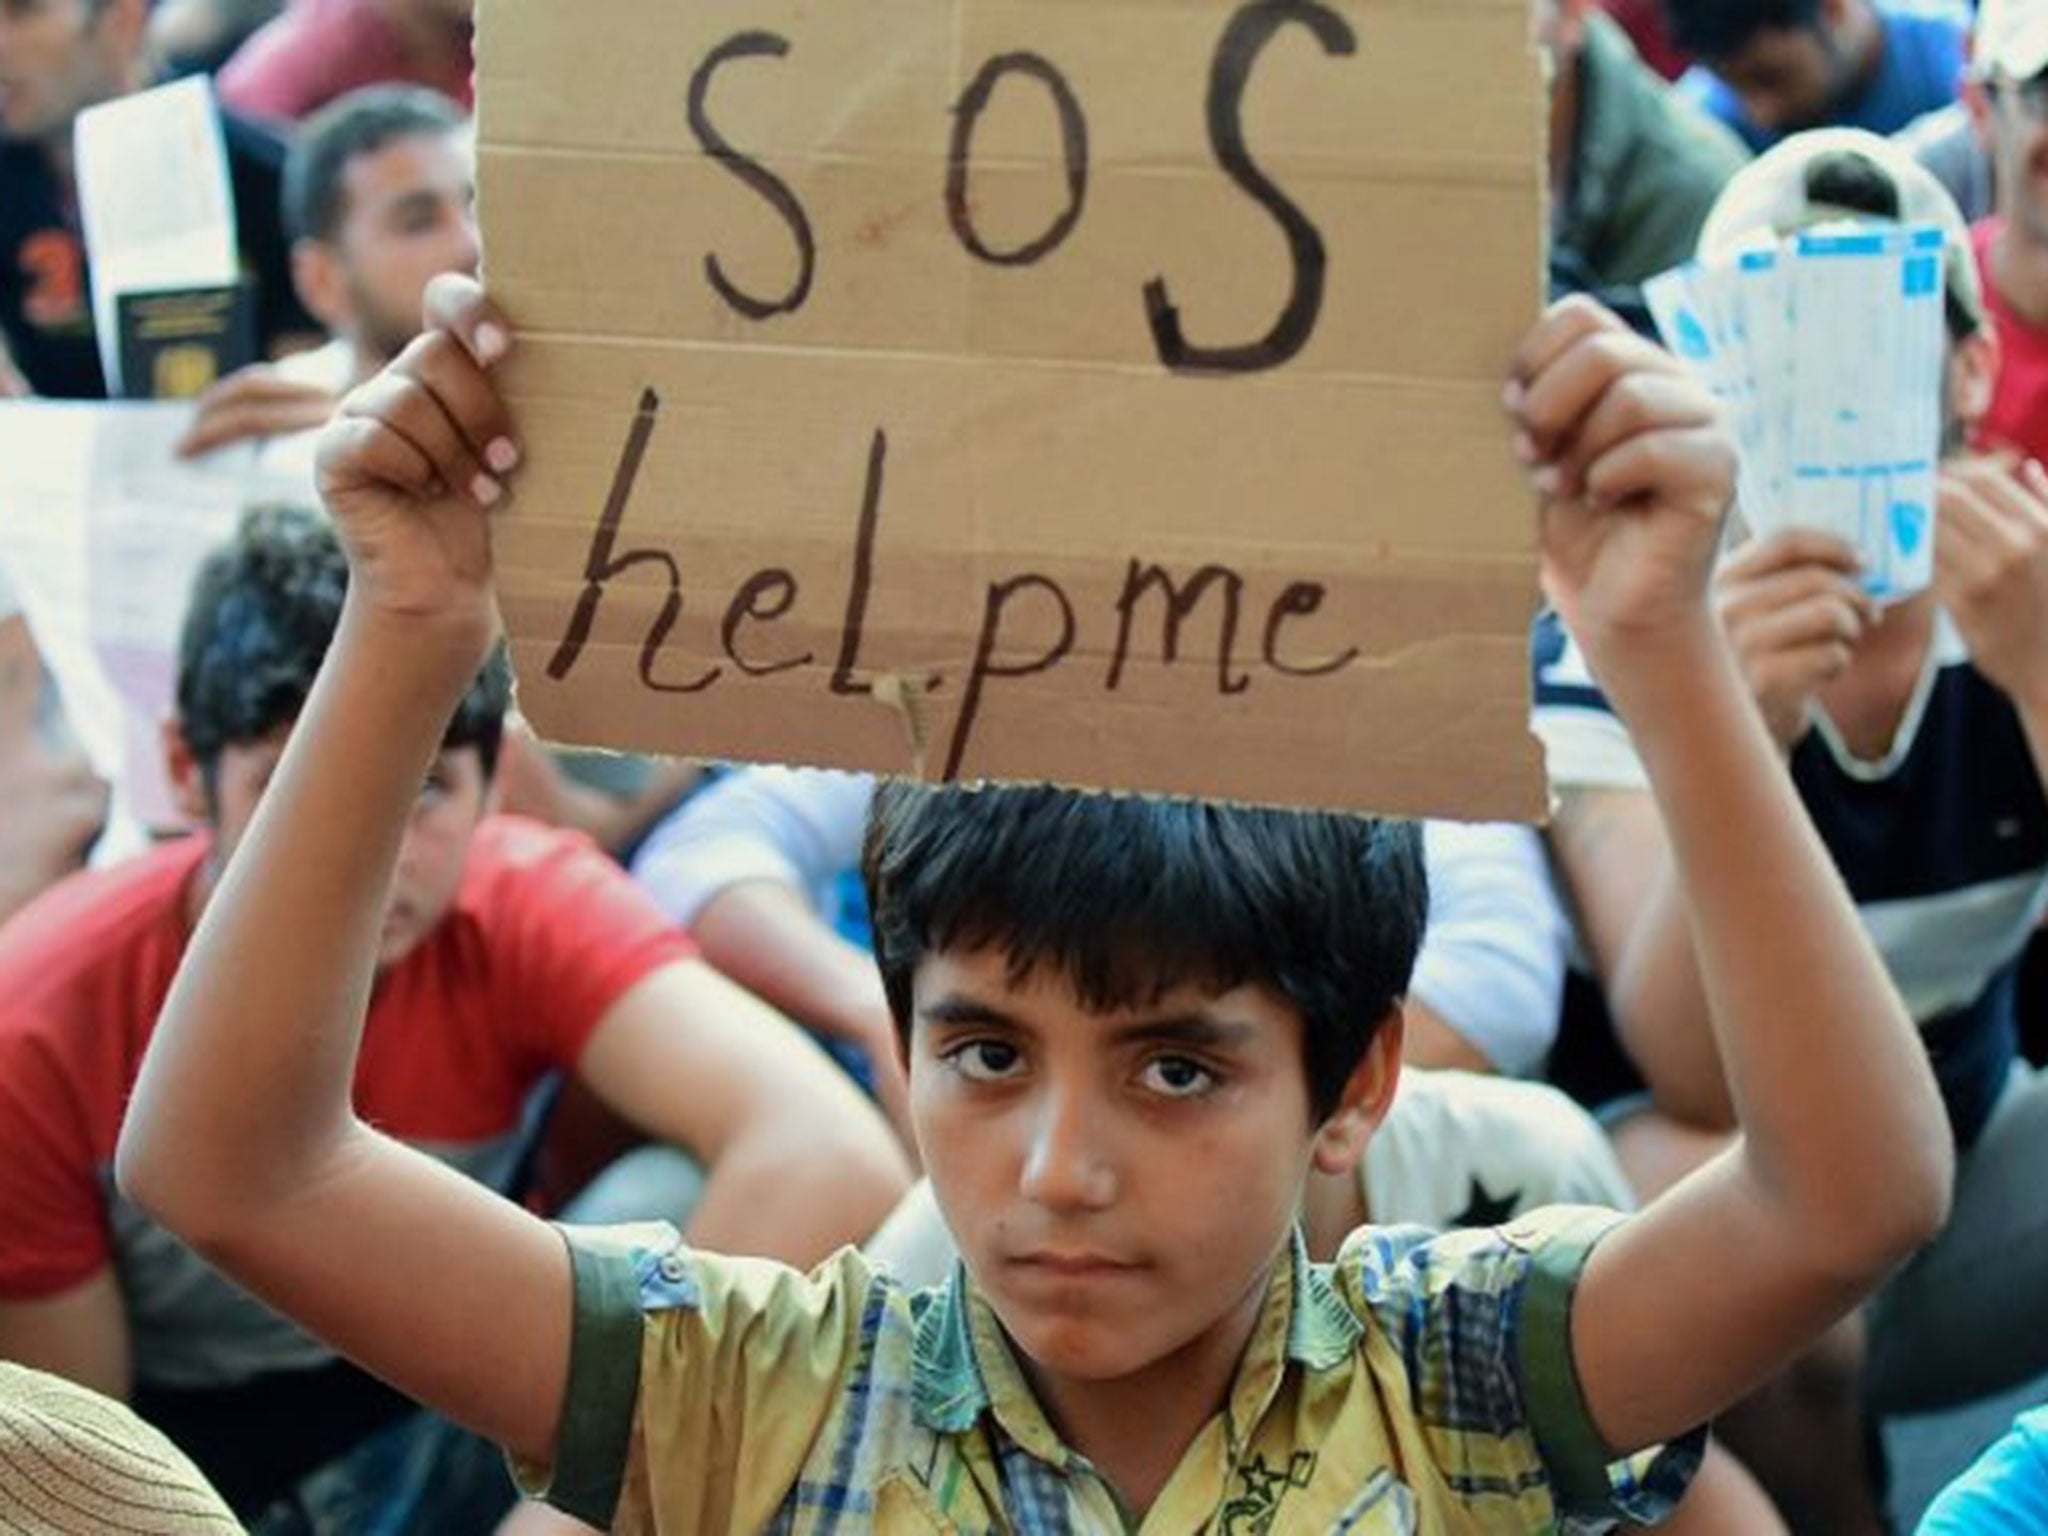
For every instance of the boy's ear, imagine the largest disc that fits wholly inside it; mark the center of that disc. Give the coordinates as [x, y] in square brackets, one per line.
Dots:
[187, 778]
[1369, 1092]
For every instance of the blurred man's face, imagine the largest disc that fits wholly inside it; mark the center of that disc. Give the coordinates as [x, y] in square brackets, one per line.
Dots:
[1789, 78]
[410, 216]
[58, 57]
[2018, 122]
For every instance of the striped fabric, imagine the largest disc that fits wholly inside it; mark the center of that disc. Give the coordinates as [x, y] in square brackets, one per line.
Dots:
[73, 1463]
[1421, 1384]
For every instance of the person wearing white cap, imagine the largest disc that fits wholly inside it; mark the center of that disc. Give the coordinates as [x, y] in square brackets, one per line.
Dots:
[2009, 100]
[74, 1463]
[1918, 739]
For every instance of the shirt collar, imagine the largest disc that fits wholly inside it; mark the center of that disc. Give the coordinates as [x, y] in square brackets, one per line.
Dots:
[965, 1367]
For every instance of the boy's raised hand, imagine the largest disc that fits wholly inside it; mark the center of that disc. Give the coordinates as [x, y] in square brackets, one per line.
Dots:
[412, 465]
[1635, 472]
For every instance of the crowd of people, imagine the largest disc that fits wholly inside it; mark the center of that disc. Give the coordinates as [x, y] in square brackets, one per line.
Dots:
[1646, 1167]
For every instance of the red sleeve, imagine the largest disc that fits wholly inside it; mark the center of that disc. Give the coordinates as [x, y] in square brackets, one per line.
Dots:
[53, 1221]
[570, 933]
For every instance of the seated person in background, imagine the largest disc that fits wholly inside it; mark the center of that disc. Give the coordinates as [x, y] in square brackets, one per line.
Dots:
[74, 1461]
[52, 804]
[320, 49]
[2009, 99]
[759, 867]
[57, 58]
[505, 951]
[1634, 165]
[379, 199]
[2004, 1494]
[1772, 67]
[1916, 737]
[1133, 1026]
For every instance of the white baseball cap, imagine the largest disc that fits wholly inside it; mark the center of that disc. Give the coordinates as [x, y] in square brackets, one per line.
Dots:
[1826, 175]
[2011, 38]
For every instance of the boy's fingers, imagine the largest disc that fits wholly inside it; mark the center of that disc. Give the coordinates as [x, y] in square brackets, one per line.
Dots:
[358, 449]
[1638, 402]
[440, 362]
[457, 304]
[1560, 404]
[1671, 463]
[418, 414]
[1563, 326]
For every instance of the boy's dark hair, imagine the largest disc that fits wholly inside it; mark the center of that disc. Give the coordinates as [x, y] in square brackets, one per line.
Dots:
[1718, 29]
[1129, 897]
[360, 123]
[263, 611]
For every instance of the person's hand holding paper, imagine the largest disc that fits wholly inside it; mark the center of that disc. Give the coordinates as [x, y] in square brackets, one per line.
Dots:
[1793, 607]
[1991, 570]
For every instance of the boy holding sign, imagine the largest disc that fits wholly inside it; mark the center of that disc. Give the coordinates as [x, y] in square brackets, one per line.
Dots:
[1132, 1028]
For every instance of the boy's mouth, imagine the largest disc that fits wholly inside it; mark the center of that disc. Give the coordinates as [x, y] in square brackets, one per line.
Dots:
[1071, 1265]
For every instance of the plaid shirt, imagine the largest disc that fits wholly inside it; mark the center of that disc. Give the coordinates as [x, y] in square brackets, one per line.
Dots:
[1419, 1384]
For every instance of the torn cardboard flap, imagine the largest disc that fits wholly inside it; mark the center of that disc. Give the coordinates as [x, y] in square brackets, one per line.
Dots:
[1105, 392]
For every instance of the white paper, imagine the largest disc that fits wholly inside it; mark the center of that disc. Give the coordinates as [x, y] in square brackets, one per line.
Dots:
[155, 201]
[1827, 352]
[102, 530]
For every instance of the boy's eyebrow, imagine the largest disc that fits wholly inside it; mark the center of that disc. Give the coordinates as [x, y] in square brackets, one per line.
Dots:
[956, 1008]
[1188, 1029]
[1184, 1029]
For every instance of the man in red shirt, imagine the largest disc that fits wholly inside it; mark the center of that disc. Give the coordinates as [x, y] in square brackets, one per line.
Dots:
[2009, 99]
[508, 952]
[320, 49]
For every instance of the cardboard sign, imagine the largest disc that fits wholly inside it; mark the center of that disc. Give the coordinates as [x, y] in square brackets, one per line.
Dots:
[1103, 393]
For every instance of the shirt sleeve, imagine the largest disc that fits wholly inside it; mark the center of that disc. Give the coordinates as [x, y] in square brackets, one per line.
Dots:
[2004, 1494]
[1493, 956]
[1587, 745]
[570, 933]
[798, 826]
[697, 1382]
[54, 1235]
[1482, 1323]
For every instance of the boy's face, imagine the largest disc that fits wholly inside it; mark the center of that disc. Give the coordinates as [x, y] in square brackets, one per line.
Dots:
[1119, 1184]
[452, 801]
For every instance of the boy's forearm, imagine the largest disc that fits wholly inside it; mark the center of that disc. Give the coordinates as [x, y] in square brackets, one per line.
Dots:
[1843, 1125]
[246, 1085]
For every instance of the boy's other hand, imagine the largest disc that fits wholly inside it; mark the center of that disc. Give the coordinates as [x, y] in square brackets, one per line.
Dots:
[412, 465]
[1635, 471]
[1991, 570]
[1794, 613]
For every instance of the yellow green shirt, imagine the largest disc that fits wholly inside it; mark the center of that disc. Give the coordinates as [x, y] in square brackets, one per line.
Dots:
[1421, 1383]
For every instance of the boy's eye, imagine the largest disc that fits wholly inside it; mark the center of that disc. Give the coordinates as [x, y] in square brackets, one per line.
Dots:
[985, 1061]
[1178, 1078]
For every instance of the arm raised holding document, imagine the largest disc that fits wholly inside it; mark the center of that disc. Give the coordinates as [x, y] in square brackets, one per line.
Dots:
[1844, 1166]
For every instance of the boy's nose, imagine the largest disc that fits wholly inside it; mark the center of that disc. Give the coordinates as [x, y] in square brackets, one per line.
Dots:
[1067, 1166]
